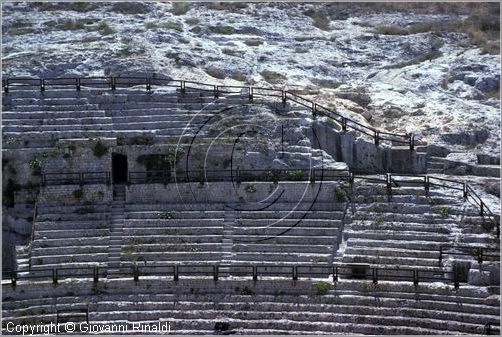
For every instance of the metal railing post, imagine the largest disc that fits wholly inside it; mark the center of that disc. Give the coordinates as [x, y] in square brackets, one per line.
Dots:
[481, 208]
[440, 254]
[135, 272]
[81, 178]
[464, 191]
[314, 110]
[201, 177]
[148, 84]
[351, 179]
[54, 275]
[480, 255]
[78, 84]
[238, 176]
[426, 183]
[182, 87]
[312, 176]
[255, 273]
[215, 272]
[295, 273]
[377, 138]
[344, 124]
[216, 91]
[250, 94]
[13, 278]
[412, 141]
[375, 275]
[335, 274]
[176, 275]
[389, 183]
[96, 274]
[415, 278]
[112, 83]
[6, 85]
[456, 282]
[42, 85]
[283, 98]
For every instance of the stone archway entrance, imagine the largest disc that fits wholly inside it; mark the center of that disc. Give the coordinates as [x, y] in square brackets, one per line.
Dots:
[119, 168]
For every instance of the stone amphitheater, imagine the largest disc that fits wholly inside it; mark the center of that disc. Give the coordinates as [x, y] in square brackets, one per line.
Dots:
[136, 204]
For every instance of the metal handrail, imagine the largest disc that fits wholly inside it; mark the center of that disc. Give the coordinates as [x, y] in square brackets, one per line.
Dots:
[199, 175]
[111, 82]
[216, 271]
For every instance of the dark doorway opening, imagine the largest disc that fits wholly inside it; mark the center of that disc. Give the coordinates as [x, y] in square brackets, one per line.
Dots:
[119, 168]
[359, 271]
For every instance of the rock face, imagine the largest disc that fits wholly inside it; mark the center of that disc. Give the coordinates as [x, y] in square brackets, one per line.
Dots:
[425, 82]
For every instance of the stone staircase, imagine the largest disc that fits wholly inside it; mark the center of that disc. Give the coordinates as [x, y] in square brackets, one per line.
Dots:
[406, 228]
[70, 236]
[228, 231]
[117, 229]
[68, 114]
[22, 259]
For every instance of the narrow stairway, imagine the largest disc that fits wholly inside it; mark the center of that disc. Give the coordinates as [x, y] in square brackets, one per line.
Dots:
[116, 231]
[228, 230]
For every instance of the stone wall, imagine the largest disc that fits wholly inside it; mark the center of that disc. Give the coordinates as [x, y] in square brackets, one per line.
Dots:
[75, 195]
[226, 192]
[362, 155]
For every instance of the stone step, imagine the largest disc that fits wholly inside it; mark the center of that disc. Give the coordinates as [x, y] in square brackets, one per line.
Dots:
[390, 261]
[59, 107]
[392, 235]
[51, 115]
[63, 122]
[383, 251]
[207, 230]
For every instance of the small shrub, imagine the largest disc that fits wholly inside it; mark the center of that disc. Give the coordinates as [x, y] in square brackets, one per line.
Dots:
[13, 141]
[192, 21]
[250, 189]
[78, 193]
[378, 220]
[340, 195]
[36, 166]
[247, 291]
[443, 212]
[104, 28]
[239, 146]
[322, 287]
[85, 210]
[272, 76]
[223, 30]
[167, 215]
[180, 8]
[127, 249]
[99, 149]
[295, 175]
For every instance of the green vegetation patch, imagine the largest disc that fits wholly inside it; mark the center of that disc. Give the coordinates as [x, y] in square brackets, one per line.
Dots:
[322, 287]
